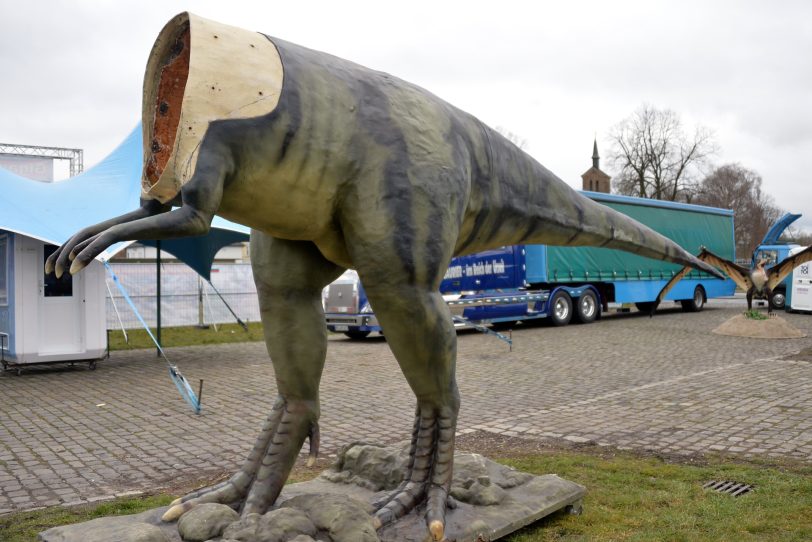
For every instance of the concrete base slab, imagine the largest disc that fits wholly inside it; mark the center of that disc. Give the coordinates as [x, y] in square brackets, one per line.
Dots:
[491, 501]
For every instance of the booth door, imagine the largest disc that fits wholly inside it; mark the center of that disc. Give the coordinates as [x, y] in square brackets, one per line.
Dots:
[61, 311]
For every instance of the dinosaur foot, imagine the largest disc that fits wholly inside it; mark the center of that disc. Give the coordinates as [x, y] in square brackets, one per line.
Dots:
[431, 460]
[258, 483]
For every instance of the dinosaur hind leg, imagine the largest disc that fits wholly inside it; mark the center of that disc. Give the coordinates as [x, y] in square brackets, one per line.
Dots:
[424, 342]
[235, 489]
[289, 276]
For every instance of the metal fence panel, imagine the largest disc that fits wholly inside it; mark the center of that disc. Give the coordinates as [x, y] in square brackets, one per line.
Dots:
[186, 299]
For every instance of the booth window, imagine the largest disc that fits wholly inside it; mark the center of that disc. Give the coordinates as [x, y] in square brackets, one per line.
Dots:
[56, 287]
[3, 269]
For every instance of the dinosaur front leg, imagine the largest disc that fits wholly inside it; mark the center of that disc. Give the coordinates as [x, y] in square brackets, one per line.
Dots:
[200, 198]
[749, 294]
[186, 221]
[289, 276]
[421, 334]
[58, 260]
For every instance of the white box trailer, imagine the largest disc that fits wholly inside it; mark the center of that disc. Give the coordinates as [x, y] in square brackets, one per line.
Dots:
[44, 319]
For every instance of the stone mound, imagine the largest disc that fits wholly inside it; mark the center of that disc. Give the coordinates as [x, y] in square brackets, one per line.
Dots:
[771, 328]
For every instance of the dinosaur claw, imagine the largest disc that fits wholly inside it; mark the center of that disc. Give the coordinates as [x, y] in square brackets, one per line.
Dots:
[315, 439]
[437, 530]
[174, 512]
[377, 523]
[176, 501]
[75, 267]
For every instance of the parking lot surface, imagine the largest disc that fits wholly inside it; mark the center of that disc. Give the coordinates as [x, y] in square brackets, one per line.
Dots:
[665, 385]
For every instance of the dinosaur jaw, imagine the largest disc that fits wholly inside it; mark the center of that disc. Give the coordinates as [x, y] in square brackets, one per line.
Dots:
[200, 71]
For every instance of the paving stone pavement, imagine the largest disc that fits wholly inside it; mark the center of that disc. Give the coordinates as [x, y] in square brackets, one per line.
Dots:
[664, 384]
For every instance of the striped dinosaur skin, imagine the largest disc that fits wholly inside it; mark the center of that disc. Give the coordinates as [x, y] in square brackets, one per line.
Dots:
[356, 168]
[399, 159]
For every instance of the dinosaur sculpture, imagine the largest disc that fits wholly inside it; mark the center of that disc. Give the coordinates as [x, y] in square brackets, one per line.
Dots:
[758, 281]
[334, 165]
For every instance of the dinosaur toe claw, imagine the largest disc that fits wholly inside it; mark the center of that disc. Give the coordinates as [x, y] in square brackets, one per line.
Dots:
[437, 530]
[430, 469]
[175, 512]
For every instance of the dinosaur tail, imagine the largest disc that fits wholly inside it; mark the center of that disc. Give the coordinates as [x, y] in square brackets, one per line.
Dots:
[530, 204]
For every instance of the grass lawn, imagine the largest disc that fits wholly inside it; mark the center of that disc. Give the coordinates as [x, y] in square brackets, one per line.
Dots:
[647, 499]
[629, 498]
[187, 336]
[24, 526]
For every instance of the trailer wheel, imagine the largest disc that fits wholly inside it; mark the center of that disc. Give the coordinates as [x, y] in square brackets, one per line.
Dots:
[696, 303]
[356, 335]
[587, 307]
[778, 300]
[561, 309]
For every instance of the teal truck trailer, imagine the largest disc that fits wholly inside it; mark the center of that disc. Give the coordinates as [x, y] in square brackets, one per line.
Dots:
[529, 282]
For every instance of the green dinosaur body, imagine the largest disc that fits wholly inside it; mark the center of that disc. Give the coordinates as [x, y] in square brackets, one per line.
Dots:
[349, 151]
[356, 168]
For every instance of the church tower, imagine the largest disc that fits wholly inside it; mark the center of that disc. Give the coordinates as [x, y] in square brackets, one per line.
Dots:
[594, 179]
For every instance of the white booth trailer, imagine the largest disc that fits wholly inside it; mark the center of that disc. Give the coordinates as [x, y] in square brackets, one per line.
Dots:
[44, 319]
[800, 296]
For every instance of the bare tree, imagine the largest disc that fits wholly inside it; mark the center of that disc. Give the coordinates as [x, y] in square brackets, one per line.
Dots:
[514, 138]
[655, 157]
[798, 236]
[732, 186]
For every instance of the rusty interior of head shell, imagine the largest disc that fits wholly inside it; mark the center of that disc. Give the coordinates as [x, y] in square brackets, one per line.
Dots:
[174, 72]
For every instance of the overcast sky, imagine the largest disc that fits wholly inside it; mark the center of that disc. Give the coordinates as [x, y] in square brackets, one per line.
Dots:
[554, 73]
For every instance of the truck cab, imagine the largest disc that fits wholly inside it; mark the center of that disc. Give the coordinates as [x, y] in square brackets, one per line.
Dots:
[347, 308]
[774, 250]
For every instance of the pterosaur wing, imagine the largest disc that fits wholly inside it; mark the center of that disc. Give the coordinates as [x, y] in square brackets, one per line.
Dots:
[739, 274]
[778, 272]
[670, 284]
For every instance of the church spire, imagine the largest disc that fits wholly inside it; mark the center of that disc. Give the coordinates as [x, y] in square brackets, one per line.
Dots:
[595, 180]
[596, 160]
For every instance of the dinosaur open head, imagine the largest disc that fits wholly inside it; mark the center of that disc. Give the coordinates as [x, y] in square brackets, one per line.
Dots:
[166, 101]
[200, 71]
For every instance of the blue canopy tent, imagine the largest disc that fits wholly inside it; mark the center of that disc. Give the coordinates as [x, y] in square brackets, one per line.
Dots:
[52, 212]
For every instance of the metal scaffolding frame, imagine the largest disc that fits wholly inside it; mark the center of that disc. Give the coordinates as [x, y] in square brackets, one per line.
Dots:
[74, 155]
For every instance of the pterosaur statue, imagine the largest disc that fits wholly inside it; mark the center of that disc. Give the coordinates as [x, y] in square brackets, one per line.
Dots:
[333, 166]
[758, 281]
